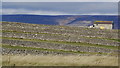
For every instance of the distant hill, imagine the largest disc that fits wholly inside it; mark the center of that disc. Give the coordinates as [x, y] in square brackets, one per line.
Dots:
[72, 20]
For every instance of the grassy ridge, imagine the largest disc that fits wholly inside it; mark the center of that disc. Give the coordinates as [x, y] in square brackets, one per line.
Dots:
[54, 50]
[63, 42]
[118, 40]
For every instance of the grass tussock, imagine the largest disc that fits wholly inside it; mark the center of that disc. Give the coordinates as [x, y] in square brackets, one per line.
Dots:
[49, 60]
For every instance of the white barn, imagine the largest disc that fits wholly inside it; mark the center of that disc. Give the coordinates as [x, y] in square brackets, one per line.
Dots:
[103, 24]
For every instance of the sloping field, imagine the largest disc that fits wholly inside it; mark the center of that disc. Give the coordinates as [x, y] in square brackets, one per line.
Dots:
[33, 39]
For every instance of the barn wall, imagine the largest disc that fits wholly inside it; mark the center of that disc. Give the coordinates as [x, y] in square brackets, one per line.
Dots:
[106, 26]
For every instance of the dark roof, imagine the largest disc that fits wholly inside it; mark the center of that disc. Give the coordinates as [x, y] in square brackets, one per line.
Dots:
[103, 22]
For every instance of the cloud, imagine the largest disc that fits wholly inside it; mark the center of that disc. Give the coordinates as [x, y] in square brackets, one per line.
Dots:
[100, 14]
[60, 0]
[41, 12]
[24, 11]
[62, 7]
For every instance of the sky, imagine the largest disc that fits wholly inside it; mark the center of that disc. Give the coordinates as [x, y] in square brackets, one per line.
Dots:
[109, 7]
[60, 0]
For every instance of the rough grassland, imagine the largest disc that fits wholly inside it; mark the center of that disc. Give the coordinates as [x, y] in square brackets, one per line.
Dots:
[49, 60]
[47, 45]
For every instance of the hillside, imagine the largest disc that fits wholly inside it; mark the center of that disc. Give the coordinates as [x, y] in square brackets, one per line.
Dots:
[34, 39]
[69, 20]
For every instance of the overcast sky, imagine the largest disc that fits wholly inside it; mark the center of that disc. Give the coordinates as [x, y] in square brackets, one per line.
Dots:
[60, 8]
[60, 0]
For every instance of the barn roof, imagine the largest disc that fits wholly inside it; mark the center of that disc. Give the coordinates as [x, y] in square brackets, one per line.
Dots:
[103, 22]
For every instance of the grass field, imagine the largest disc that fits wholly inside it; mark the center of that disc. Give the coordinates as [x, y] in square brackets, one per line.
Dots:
[49, 60]
[47, 45]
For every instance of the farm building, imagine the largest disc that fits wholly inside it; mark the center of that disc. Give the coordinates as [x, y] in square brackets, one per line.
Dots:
[103, 24]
